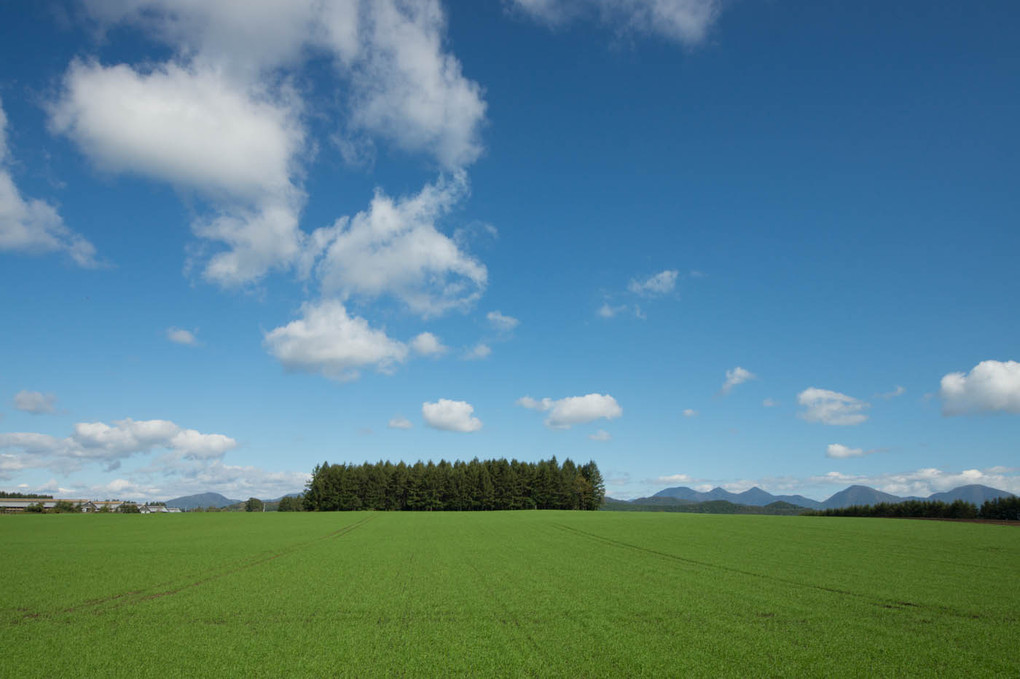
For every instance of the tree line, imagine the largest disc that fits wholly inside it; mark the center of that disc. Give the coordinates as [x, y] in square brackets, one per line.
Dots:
[456, 486]
[1000, 509]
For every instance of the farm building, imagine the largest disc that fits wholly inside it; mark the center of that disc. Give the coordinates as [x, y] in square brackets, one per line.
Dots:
[16, 505]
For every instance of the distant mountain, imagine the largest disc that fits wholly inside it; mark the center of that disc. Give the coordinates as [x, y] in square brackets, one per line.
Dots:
[860, 495]
[854, 495]
[754, 497]
[201, 500]
[975, 494]
[277, 499]
[665, 504]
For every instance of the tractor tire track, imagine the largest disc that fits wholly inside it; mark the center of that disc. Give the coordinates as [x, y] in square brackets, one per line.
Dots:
[108, 604]
[873, 600]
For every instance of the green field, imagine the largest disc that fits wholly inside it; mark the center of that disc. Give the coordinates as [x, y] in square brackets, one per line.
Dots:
[506, 594]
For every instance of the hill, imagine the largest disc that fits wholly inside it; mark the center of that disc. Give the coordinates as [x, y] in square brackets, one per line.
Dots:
[662, 504]
[755, 497]
[201, 500]
[859, 495]
[975, 494]
[854, 495]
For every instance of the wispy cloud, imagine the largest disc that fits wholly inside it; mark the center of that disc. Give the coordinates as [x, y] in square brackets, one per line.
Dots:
[734, 377]
[35, 402]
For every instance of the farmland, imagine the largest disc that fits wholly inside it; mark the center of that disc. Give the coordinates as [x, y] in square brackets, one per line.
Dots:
[507, 594]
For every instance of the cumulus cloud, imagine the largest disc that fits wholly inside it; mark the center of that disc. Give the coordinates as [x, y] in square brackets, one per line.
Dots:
[223, 119]
[181, 336]
[839, 451]
[675, 478]
[567, 412]
[395, 248]
[408, 90]
[990, 386]
[831, 407]
[172, 475]
[478, 352]
[734, 377]
[690, 412]
[450, 416]
[35, 402]
[659, 284]
[196, 128]
[30, 226]
[769, 403]
[326, 340]
[427, 344]
[399, 422]
[500, 322]
[684, 21]
[924, 482]
[110, 443]
[600, 435]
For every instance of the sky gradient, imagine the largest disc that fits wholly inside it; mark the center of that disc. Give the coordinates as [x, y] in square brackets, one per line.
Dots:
[699, 242]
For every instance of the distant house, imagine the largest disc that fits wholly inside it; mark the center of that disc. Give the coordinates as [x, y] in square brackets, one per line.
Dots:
[12, 505]
[157, 509]
[92, 506]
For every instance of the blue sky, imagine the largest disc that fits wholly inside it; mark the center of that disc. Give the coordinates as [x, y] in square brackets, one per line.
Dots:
[699, 242]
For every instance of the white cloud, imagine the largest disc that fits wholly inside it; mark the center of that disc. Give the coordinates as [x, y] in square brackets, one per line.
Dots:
[898, 391]
[839, 451]
[990, 386]
[831, 407]
[566, 412]
[500, 322]
[398, 82]
[690, 412]
[600, 435]
[34, 226]
[172, 476]
[399, 422]
[734, 377]
[450, 416]
[35, 402]
[674, 478]
[607, 311]
[197, 446]
[770, 403]
[409, 91]
[924, 482]
[659, 284]
[328, 341]
[190, 126]
[394, 248]
[101, 442]
[199, 130]
[685, 21]
[225, 119]
[181, 336]
[427, 344]
[478, 352]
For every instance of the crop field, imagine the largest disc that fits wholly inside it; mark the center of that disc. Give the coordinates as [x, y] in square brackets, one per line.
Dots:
[567, 594]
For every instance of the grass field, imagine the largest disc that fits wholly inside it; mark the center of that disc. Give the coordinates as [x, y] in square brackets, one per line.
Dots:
[506, 594]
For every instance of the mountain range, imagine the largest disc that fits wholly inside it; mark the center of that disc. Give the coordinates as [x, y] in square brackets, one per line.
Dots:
[854, 495]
